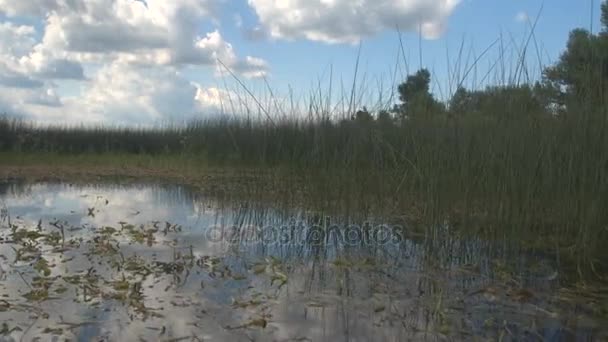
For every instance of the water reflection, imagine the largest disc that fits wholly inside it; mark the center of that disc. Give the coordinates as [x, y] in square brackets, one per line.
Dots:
[164, 262]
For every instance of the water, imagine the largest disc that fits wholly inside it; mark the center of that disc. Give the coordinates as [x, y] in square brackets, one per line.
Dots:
[150, 262]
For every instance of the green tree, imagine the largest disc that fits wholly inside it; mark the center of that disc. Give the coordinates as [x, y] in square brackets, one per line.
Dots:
[580, 77]
[504, 102]
[363, 116]
[461, 102]
[604, 16]
[416, 98]
[384, 118]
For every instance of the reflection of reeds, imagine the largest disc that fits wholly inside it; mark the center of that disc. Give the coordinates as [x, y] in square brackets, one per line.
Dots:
[430, 285]
[5, 215]
[428, 278]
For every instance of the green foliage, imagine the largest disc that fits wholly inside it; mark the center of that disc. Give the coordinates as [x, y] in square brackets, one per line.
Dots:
[580, 74]
[363, 116]
[385, 118]
[416, 85]
[579, 80]
[604, 16]
[509, 102]
[416, 97]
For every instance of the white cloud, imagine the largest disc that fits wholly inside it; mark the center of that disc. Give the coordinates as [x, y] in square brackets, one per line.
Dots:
[31, 7]
[348, 21]
[251, 67]
[20, 88]
[213, 98]
[22, 63]
[127, 54]
[13, 79]
[121, 94]
[16, 40]
[155, 32]
[26, 101]
[59, 69]
[127, 94]
[46, 98]
[131, 94]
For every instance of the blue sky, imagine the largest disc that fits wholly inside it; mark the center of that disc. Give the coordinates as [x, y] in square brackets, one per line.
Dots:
[120, 62]
[478, 22]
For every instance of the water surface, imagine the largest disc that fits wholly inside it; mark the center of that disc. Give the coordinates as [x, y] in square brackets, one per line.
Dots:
[149, 262]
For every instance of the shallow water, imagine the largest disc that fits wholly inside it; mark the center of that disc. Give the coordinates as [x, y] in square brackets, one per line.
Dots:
[149, 262]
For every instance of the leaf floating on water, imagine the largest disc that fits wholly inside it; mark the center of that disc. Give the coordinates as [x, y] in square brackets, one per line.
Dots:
[7, 331]
[4, 305]
[121, 285]
[61, 290]
[259, 268]
[259, 322]
[42, 266]
[252, 323]
[273, 261]
[342, 263]
[24, 234]
[52, 331]
[280, 278]
[238, 277]
[379, 309]
[108, 231]
[37, 295]
[245, 304]
[179, 339]
[521, 295]
[316, 304]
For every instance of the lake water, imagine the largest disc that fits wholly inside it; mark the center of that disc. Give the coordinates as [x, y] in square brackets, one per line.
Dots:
[150, 262]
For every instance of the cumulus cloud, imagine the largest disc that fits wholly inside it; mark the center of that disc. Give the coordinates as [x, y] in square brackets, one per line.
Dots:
[126, 54]
[26, 101]
[16, 40]
[251, 67]
[130, 95]
[108, 34]
[12, 79]
[348, 21]
[142, 32]
[121, 94]
[46, 98]
[31, 7]
[60, 69]
[214, 99]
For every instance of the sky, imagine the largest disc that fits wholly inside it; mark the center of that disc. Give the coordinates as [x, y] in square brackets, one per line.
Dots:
[145, 62]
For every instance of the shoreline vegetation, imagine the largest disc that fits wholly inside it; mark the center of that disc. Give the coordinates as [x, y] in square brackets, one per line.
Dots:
[519, 161]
